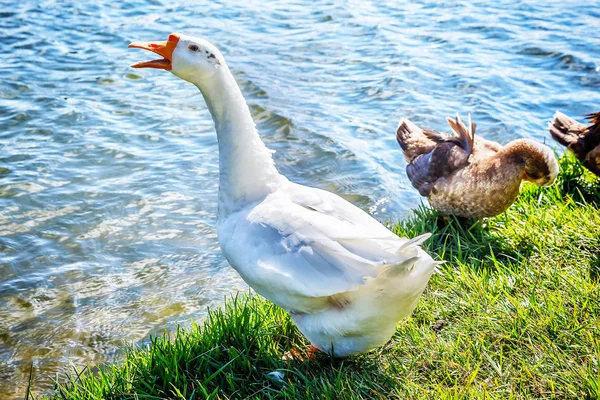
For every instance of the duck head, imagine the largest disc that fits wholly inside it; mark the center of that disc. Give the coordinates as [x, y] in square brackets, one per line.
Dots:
[541, 166]
[190, 58]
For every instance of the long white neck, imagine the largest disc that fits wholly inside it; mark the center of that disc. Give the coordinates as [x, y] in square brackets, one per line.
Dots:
[246, 169]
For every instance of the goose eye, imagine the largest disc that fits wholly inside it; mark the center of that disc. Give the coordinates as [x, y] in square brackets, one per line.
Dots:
[193, 47]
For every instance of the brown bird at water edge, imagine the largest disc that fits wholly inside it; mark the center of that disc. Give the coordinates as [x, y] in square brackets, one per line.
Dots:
[582, 140]
[468, 176]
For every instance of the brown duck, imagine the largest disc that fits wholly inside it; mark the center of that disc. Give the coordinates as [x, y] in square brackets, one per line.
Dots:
[582, 140]
[467, 175]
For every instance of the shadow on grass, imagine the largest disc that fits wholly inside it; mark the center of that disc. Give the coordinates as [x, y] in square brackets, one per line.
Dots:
[459, 239]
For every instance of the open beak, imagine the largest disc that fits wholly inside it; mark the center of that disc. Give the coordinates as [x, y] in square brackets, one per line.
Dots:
[163, 49]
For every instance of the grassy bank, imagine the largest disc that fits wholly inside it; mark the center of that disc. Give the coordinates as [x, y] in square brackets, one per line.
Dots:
[515, 314]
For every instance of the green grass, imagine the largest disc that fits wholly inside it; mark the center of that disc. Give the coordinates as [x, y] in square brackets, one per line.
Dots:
[515, 314]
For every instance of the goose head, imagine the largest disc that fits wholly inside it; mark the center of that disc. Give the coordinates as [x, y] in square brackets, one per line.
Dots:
[190, 58]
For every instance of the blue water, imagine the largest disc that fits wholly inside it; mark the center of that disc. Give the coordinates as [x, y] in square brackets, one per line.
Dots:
[108, 175]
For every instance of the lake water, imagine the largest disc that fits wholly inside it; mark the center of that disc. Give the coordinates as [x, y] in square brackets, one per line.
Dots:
[108, 175]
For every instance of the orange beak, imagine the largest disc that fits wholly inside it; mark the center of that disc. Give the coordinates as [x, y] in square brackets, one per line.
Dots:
[164, 49]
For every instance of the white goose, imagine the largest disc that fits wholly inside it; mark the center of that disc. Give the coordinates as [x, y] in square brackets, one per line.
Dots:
[345, 279]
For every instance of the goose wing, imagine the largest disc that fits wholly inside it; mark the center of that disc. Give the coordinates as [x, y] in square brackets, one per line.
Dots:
[307, 245]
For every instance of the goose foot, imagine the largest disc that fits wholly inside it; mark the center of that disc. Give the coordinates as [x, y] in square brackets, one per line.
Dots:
[294, 354]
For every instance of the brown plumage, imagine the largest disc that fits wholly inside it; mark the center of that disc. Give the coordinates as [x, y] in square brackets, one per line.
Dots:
[582, 140]
[468, 176]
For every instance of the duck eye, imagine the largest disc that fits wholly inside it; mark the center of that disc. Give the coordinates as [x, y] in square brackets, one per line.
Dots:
[193, 47]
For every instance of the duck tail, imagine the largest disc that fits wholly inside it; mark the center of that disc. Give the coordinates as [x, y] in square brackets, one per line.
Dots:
[412, 140]
[592, 136]
[594, 119]
[464, 135]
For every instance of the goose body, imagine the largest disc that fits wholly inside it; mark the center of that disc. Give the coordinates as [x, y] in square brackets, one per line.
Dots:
[345, 279]
[468, 176]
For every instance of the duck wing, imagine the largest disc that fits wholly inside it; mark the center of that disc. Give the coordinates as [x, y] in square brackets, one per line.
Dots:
[577, 137]
[568, 132]
[450, 153]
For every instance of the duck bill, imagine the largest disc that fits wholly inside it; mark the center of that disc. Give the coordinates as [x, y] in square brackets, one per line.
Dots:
[164, 49]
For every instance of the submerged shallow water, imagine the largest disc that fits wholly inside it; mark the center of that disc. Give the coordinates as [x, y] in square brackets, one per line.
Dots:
[108, 175]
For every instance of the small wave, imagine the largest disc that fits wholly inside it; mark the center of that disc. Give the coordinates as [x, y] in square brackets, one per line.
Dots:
[558, 59]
